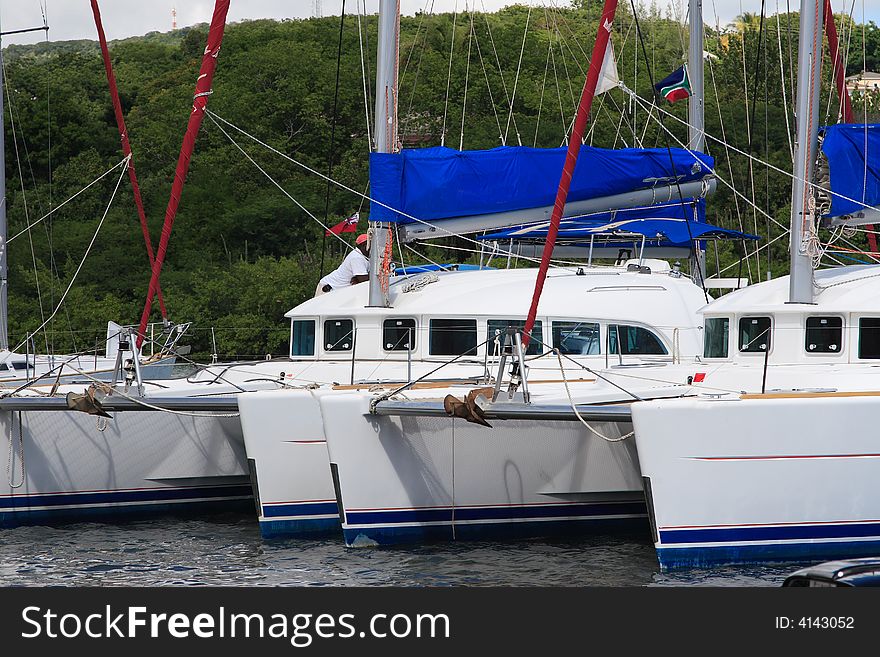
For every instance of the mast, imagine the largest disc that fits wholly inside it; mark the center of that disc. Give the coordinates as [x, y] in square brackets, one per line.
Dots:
[4, 319]
[385, 132]
[696, 110]
[696, 130]
[808, 102]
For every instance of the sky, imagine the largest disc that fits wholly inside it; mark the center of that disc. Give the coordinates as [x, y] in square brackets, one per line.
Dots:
[72, 19]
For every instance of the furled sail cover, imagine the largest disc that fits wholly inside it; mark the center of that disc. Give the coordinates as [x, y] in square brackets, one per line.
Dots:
[671, 224]
[440, 183]
[853, 152]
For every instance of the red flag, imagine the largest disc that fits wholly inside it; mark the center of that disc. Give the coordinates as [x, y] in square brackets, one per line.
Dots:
[349, 225]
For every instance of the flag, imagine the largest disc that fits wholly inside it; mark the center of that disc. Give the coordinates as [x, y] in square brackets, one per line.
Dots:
[608, 78]
[675, 86]
[349, 225]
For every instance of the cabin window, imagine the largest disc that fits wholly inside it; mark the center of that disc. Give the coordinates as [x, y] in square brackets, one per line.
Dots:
[634, 341]
[869, 337]
[754, 334]
[715, 337]
[496, 329]
[577, 338]
[824, 335]
[302, 337]
[399, 334]
[453, 337]
[338, 334]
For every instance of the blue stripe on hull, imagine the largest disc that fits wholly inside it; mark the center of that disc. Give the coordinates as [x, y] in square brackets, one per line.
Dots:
[305, 509]
[299, 528]
[19, 510]
[535, 512]
[690, 557]
[775, 533]
[497, 522]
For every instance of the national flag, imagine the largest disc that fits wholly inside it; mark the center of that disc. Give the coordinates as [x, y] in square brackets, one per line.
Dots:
[675, 86]
[608, 78]
[349, 225]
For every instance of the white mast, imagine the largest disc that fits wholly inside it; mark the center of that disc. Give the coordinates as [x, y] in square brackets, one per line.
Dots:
[808, 101]
[385, 133]
[696, 134]
[696, 129]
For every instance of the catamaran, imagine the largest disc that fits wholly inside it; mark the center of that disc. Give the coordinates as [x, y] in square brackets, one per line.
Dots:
[780, 461]
[399, 468]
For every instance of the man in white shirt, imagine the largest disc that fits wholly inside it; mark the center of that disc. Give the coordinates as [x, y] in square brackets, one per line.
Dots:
[355, 268]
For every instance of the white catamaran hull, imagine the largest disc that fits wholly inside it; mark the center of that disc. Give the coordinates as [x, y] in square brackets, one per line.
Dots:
[287, 455]
[410, 479]
[766, 477]
[65, 465]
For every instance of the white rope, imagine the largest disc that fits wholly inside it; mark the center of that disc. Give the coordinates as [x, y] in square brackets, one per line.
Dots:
[516, 78]
[305, 167]
[489, 89]
[782, 84]
[408, 116]
[140, 402]
[467, 75]
[543, 86]
[559, 92]
[83, 261]
[749, 132]
[449, 75]
[769, 165]
[274, 182]
[364, 75]
[577, 412]
[54, 210]
[27, 220]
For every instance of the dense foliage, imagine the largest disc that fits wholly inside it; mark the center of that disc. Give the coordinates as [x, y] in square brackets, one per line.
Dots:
[242, 253]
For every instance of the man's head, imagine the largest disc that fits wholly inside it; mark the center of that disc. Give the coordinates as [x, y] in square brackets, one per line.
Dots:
[363, 243]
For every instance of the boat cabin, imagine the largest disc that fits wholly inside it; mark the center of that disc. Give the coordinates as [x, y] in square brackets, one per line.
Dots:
[842, 326]
[639, 310]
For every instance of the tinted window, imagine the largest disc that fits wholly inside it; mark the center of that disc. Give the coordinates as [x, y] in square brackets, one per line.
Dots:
[824, 335]
[754, 334]
[453, 337]
[338, 334]
[498, 327]
[715, 337]
[581, 338]
[634, 341]
[302, 341]
[869, 337]
[399, 334]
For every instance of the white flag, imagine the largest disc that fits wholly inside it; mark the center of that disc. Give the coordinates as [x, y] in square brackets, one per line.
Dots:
[608, 75]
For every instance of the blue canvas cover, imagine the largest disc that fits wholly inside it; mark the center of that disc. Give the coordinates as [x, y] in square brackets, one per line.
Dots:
[853, 152]
[439, 183]
[673, 224]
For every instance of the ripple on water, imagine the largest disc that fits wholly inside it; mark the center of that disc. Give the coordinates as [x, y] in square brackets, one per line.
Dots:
[228, 550]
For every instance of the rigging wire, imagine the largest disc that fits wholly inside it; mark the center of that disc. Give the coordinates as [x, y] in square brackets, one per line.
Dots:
[698, 268]
[84, 258]
[489, 90]
[364, 77]
[466, 78]
[12, 122]
[215, 117]
[449, 75]
[332, 138]
[516, 79]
